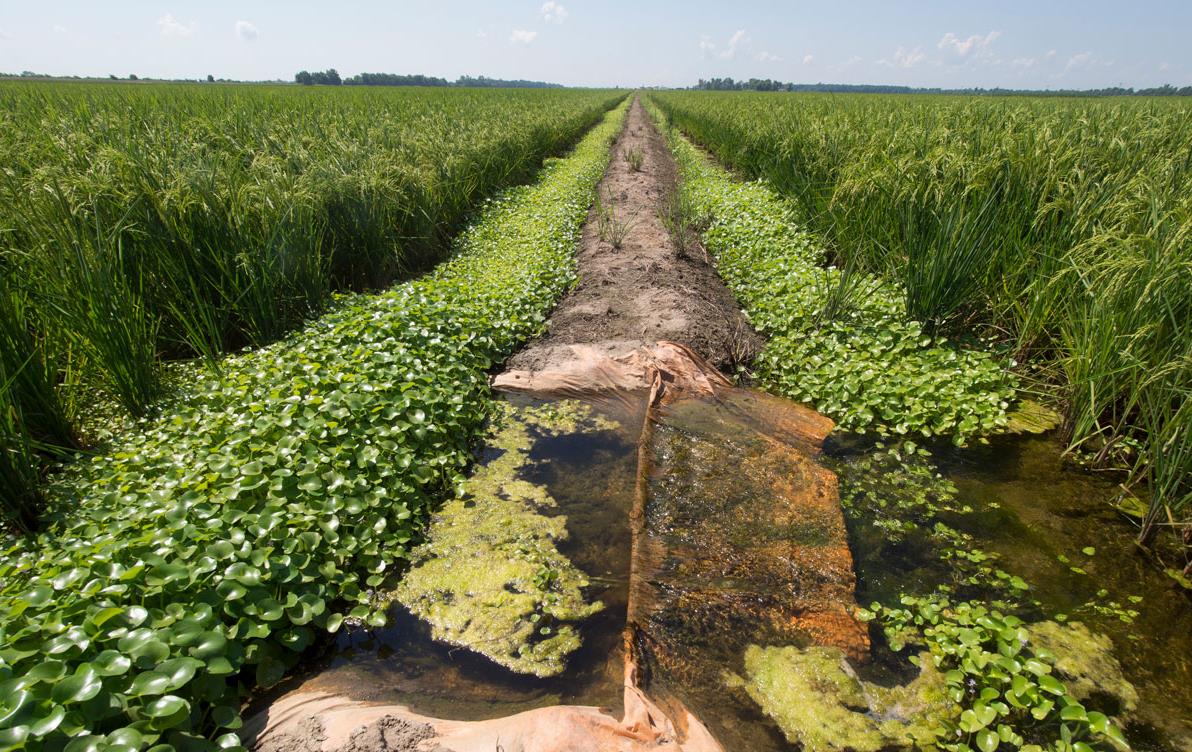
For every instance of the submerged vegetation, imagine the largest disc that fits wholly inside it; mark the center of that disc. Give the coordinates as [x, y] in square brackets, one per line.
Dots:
[489, 576]
[1008, 682]
[1061, 228]
[201, 555]
[150, 223]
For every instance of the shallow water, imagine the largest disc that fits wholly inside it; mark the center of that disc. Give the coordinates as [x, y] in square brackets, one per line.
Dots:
[703, 601]
[1047, 510]
[1031, 508]
[591, 478]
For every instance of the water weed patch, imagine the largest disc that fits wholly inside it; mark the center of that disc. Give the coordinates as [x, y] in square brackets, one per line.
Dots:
[200, 556]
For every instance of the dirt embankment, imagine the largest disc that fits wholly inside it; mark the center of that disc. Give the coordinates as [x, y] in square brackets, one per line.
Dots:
[642, 288]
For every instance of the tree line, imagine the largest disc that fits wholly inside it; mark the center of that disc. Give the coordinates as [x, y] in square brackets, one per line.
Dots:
[331, 77]
[766, 84]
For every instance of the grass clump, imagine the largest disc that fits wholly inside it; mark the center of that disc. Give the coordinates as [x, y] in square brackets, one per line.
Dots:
[216, 541]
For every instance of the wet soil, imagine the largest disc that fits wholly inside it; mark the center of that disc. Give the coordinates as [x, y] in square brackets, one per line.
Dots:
[649, 288]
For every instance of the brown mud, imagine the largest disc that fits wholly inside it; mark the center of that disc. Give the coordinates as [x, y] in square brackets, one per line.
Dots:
[650, 288]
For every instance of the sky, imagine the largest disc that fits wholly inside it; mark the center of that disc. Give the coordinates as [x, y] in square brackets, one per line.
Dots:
[955, 44]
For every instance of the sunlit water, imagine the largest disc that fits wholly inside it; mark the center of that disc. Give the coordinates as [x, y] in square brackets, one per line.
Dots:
[1029, 508]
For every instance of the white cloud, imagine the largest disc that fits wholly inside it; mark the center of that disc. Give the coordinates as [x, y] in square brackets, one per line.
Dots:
[60, 29]
[971, 48]
[1079, 60]
[1050, 55]
[4, 35]
[706, 46]
[553, 12]
[1024, 62]
[1164, 67]
[736, 40]
[767, 57]
[522, 37]
[808, 59]
[246, 30]
[481, 34]
[904, 58]
[172, 27]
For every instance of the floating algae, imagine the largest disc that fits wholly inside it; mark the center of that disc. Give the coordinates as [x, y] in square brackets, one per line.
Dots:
[490, 577]
[1029, 416]
[1086, 661]
[818, 701]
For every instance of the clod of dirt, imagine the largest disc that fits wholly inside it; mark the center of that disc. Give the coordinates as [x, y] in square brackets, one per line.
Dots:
[647, 289]
[392, 733]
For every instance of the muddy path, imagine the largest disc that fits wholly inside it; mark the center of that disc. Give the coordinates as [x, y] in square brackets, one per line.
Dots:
[642, 288]
[698, 516]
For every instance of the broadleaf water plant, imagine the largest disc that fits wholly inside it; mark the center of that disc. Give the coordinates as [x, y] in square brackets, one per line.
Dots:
[200, 556]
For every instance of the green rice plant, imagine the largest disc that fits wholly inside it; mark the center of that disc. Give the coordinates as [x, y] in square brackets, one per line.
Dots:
[635, 158]
[208, 220]
[609, 227]
[213, 543]
[91, 293]
[838, 339]
[1059, 226]
[20, 497]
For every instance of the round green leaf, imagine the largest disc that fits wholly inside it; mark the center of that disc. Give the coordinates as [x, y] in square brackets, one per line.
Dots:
[111, 663]
[48, 722]
[149, 683]
[165, 706]
[81, 686]
[210, 645]
[987, 741]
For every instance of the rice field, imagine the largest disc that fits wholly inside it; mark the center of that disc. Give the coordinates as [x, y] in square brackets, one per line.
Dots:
[148, 224]
[248, 340]
[1057, 230]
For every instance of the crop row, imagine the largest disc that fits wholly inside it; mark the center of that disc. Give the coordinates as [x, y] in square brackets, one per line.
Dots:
[1063, 228]
[841, 341]
[215, 542]
[141, 224]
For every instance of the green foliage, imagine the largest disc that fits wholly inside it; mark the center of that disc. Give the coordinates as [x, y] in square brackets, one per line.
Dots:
[897, 488]
[215, 542]
[1063, 225]
[857, 360]
[1007, 687]
[163, 222]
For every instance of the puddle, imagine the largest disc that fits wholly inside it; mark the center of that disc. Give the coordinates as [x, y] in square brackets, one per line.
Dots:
[707, 545]
[589, 476]
[1032, 509]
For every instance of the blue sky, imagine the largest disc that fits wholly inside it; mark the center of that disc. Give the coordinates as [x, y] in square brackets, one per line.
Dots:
[962, 43]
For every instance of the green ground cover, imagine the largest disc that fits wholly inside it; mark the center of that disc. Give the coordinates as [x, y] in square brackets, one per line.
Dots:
[201, 554]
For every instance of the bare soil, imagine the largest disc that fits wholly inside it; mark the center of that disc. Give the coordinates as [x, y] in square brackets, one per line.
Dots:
[648, 289]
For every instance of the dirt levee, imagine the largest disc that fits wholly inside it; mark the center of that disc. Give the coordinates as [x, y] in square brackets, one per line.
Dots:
[641, 288]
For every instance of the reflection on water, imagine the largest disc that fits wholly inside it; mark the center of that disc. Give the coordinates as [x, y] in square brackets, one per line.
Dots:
[590, 475]
[1032, 509]
[712, 514]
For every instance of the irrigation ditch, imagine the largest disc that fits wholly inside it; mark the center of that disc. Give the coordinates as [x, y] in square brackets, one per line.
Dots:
[647, 556]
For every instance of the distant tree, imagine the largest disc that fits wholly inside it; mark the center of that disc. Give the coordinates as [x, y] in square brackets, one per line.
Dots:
[132, 77]
[333, 78]
[210, 78]
[112, 76]
[304, 78]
